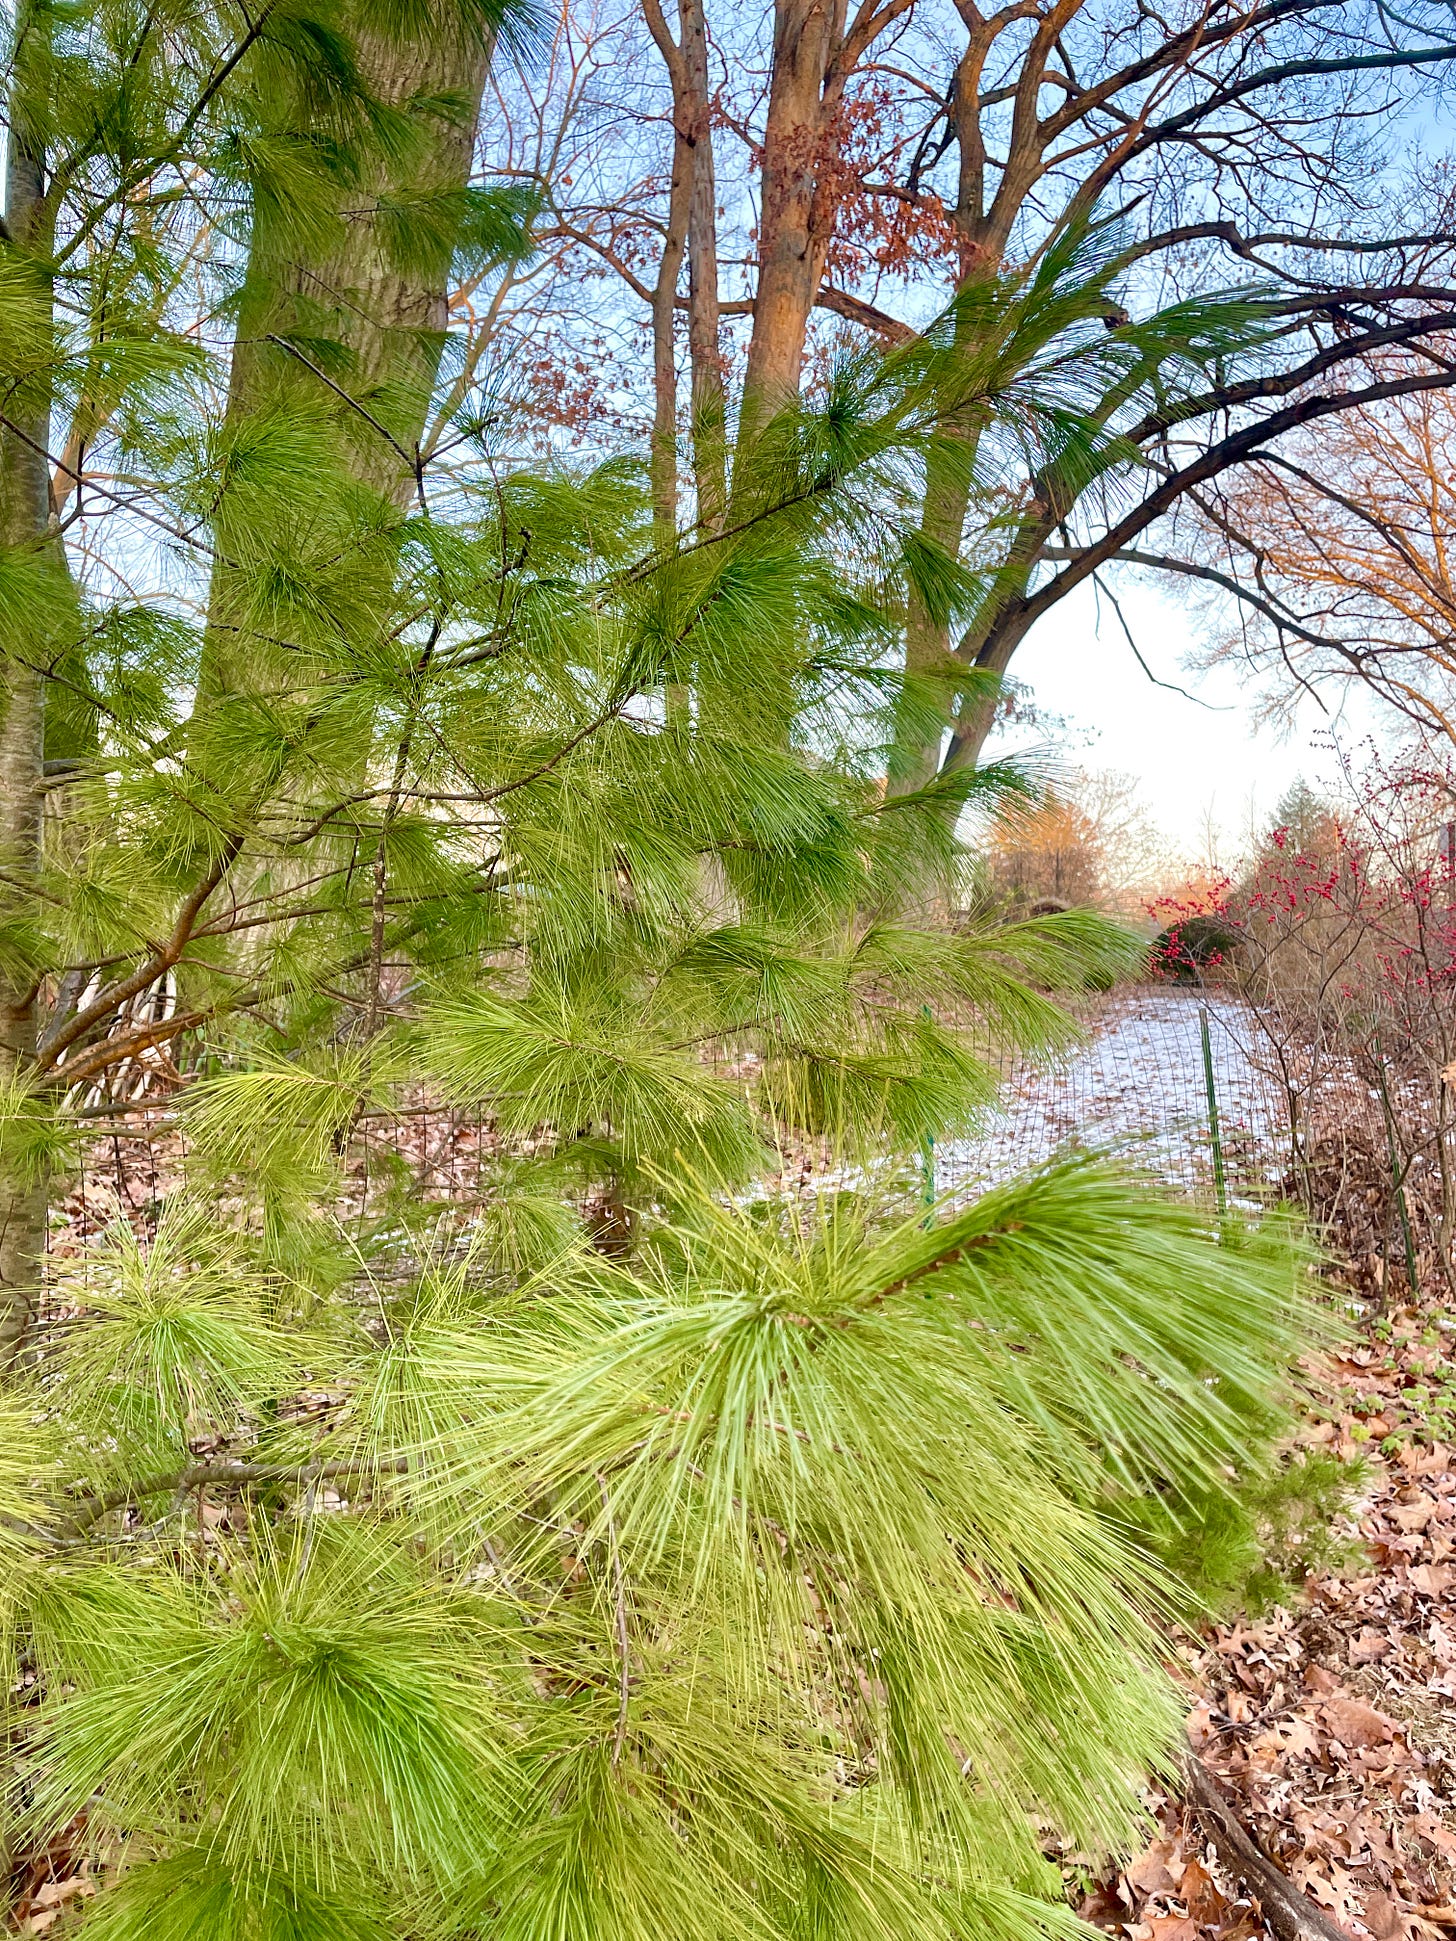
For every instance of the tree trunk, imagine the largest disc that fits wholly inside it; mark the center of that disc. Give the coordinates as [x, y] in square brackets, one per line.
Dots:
[990, 645]
[692, 224]
[663, 456]
[705, 355]
[663, 462]
[974, 723]
[915, 759]
[385, 310]
[981, 244]
[796, 217]
[378, 302]
[25, 523]
[388, 313]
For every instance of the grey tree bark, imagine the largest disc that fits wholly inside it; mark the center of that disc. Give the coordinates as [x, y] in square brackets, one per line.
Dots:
[26, 523]
[663, 457]
[691, 232]
[384, 308]
[381, 301]
[705, 353]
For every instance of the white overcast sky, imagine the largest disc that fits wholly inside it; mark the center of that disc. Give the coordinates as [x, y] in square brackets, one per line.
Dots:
[1196, 760]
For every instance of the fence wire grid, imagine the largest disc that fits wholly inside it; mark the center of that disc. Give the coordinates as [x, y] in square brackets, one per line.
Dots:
[1199, 1112]
[1138, 1084]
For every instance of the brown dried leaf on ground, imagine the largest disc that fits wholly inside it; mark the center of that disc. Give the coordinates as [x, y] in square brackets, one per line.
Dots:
[1333, 1727]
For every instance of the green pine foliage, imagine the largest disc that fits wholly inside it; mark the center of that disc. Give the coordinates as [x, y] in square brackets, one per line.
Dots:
[779, 1579]
[626, 1548]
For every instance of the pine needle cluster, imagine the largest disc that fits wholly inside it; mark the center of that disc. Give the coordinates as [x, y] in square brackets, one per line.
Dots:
[780, 1579]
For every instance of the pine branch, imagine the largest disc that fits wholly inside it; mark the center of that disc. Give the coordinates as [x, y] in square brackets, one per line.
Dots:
[411, 459]
[115, 1051]
[205, 1474]
[163, 958]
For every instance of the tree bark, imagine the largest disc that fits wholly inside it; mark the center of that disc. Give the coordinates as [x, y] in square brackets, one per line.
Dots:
[663, 459]
[915, 760]
[663, 455]
[380, 310]
[386, 314]
[25, 524]
[1292, 1915]
[796, 216]
[692, 229]
[705, 355]
[981, 244]
[385, 311]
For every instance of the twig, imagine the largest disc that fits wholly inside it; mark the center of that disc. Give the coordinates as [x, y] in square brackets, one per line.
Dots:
[197, 1474]
[1106, 592]
[624, 1651]
[115, 1051]
[1291, 1914]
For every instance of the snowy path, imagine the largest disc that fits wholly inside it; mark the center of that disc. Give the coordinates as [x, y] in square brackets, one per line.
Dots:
[1137, 1086]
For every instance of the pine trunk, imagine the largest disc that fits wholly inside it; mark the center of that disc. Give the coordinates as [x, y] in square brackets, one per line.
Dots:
[25, 523]
[386, 312]
[387, 316]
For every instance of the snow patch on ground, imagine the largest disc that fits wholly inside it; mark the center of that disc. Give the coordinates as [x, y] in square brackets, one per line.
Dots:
[1137, 1087]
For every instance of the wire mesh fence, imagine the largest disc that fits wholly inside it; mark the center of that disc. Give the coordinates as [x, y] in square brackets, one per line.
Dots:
[1178, 1081]
[1173, 1079]
[1237, 1106]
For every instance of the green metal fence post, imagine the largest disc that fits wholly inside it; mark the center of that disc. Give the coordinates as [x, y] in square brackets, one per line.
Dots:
[927, 1156]
[1220, 1186]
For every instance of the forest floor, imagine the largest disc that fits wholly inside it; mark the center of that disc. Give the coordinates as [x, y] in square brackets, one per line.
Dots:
[1332, 1725]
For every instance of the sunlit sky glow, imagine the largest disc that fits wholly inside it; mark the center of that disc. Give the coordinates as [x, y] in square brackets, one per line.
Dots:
[1204, 763]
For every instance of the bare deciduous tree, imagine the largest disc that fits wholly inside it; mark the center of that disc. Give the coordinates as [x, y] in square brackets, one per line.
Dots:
[870, 166]
[1332, 558]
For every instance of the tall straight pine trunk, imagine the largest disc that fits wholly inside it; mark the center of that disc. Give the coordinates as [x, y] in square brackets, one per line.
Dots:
[26, 527]
[376, 289]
